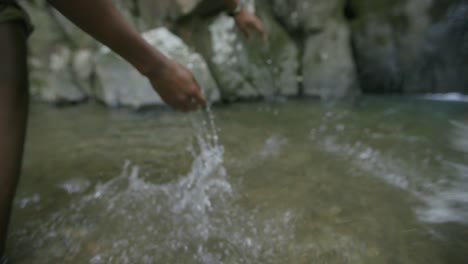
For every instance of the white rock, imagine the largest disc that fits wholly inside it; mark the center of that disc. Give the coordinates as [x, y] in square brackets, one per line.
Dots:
[121, 84]
[57, 82]
[250, 68]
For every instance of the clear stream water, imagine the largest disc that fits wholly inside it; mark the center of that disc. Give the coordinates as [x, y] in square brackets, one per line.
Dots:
[384, 180]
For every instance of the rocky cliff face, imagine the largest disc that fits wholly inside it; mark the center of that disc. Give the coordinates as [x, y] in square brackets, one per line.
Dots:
[332, 49]
[407, 46]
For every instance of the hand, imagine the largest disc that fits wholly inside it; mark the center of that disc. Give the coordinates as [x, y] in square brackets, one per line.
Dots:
[246, 20]
[177, 87]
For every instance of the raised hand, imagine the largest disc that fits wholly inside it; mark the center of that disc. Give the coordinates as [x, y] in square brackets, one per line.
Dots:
[247, 21]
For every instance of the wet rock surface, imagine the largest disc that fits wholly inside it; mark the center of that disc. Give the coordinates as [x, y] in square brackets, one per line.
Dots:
[248, 68]
[408, 46]
[328, 67]
[329, 49]
[121, 84]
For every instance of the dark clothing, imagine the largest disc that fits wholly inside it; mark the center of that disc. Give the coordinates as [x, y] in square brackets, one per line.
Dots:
[10, 11]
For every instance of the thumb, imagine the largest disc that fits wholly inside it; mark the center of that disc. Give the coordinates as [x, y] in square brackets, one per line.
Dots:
[200, 98]
[198, 95]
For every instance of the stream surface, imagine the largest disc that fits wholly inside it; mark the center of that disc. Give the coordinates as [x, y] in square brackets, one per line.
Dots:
[384, 180]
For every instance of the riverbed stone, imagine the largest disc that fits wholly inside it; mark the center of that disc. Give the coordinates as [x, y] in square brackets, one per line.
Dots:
[248, 68]
[120, 84]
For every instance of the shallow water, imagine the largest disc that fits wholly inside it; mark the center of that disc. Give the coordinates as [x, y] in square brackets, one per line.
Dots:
[381, 181]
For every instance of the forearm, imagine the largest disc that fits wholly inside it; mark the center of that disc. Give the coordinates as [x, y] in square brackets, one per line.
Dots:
[102, 20]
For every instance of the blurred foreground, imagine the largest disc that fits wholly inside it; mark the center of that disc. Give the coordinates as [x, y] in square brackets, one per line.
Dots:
[288, 182]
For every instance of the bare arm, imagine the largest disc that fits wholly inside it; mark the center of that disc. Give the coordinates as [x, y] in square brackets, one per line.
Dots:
[244, 19]
[101, 19]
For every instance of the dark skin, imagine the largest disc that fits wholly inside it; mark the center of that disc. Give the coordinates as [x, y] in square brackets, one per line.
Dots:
[13, 115]
[245, 20]
[172, 81]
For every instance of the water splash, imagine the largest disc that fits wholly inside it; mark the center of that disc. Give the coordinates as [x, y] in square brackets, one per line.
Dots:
[428, 176]
[449, 203]
[193, 219]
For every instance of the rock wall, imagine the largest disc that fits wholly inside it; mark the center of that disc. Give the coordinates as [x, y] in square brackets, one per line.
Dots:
[408, 46]
[332, 49]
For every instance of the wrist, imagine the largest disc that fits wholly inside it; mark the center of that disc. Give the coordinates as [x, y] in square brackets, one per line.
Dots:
[153, 65]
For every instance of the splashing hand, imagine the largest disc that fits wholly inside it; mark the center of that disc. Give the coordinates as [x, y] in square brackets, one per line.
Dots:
[246, 21]
[177, 87]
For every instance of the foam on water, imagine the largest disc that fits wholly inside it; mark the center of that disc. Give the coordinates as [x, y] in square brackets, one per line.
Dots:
[443, 193]
[449, 202]
[454, 97]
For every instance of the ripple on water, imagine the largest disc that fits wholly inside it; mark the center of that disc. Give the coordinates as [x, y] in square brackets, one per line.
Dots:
[449, 203]
[444, 194]
[194, 219]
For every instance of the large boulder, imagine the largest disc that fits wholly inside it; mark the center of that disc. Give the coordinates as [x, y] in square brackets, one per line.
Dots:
[53, 80]
[386, 33]
[247, 68]
[443, 65]
[120, 84]
[320, 28]
[408, 46]
[51, 57]
[376, 57]
[60, 84]
[163, 12]
[308, 16]
[328, 66]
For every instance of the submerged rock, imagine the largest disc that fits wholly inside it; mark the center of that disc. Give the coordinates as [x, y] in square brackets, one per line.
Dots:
[120, 84]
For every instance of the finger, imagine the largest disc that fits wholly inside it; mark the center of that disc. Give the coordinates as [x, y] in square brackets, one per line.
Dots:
[198, 94]
[195, 82]
[191, 104]
[182, 103]
[259, 27]
[182, 107]
[200, 99]
[245, 30]
[187, 107]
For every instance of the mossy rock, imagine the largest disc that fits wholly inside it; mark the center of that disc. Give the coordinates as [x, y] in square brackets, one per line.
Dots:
[308, 15]
[247, 68]
[328, 66]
